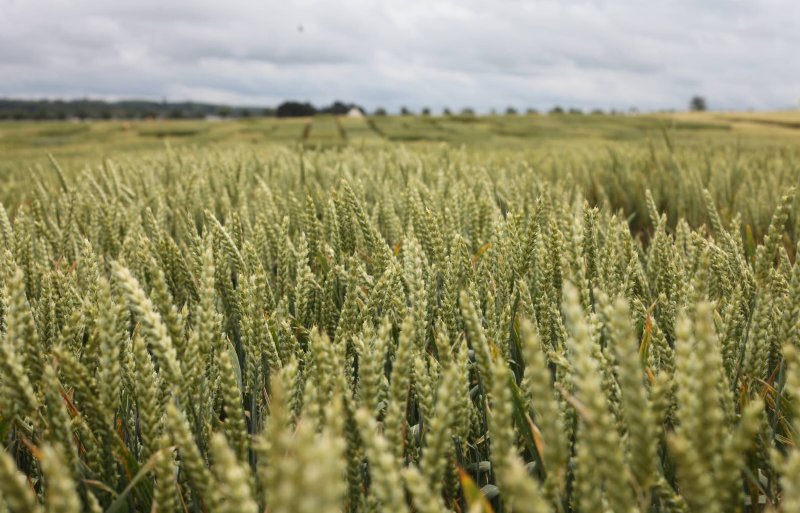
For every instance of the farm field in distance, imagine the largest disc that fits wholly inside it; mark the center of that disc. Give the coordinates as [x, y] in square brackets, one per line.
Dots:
[416, 314]
[21, 140]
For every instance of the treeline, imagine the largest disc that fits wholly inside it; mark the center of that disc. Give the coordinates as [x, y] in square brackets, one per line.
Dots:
[11, 109]
[292, 109]
[127, 109]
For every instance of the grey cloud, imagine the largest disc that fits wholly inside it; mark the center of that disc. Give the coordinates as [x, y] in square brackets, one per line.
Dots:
[586, 53]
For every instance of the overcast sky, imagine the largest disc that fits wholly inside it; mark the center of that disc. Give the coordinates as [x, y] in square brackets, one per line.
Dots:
[484, 54]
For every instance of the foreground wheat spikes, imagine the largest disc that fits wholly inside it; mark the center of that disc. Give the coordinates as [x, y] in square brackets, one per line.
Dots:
[399, 330]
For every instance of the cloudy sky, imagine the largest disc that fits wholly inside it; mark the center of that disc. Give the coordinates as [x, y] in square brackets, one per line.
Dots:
[415, 53]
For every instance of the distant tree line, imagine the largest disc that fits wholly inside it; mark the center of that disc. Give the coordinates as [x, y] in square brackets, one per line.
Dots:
[11, 109]
[293, 109]
[128, 109]
[508, 111]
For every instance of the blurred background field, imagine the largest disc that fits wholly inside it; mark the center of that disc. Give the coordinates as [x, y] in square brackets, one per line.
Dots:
[29, 143]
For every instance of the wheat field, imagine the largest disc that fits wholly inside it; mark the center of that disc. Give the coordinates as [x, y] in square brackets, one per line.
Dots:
[406, 329]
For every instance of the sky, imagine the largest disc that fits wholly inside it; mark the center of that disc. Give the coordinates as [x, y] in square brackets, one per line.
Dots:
[648, 54]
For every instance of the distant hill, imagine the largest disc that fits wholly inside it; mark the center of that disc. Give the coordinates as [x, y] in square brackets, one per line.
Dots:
[11, 109]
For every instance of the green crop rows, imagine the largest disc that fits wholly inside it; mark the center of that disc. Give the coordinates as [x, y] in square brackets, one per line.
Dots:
[400, 329]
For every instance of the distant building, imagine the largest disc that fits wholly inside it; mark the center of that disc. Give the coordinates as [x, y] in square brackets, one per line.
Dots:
[355, 112]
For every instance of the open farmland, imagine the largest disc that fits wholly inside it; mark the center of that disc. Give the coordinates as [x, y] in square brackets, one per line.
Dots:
[407, 314]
